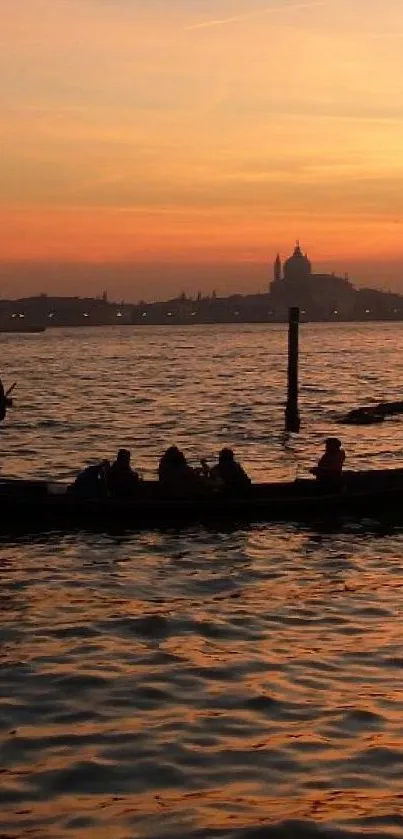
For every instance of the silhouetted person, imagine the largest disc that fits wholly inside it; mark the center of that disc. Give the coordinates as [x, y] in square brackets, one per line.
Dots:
[3, 402]
[5, 399]
[229, 473]
[330, 466]
[175, 475]
[92, 482]
[123, 481]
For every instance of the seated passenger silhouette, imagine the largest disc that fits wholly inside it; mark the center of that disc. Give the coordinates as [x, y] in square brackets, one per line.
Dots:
[330, 465]
[123, 481]
[175, 475]
[92, 482]
[229, 473]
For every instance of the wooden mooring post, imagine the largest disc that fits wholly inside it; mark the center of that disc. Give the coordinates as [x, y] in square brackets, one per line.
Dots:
[292, 420]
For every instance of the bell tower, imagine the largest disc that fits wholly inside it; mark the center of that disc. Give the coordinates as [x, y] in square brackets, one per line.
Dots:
[277, 269]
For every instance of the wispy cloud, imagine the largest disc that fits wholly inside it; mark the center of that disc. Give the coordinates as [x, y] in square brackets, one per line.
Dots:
[207, 24]
[375, 36]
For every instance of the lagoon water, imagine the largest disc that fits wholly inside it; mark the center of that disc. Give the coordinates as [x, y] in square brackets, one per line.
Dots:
[235, 683]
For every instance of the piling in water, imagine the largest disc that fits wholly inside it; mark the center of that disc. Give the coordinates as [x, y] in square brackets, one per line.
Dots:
[292, 420]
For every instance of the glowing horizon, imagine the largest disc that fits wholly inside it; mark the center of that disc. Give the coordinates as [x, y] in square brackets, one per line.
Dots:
[202, 132]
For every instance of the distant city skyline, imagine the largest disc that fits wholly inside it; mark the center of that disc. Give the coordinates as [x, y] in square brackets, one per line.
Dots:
[160, 281]
[209, 133]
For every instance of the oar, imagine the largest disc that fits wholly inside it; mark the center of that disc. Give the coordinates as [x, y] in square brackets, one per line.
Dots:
[8, 402]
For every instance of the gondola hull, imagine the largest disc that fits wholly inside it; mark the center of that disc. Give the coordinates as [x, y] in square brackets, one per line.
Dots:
[40, 507]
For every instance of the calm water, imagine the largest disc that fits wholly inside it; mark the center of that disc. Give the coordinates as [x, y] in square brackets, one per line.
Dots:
[242, 684]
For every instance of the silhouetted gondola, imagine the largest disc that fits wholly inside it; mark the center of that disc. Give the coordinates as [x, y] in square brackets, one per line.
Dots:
[44, 507]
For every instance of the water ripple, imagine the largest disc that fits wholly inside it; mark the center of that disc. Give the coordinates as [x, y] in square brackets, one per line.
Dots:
[239, 684]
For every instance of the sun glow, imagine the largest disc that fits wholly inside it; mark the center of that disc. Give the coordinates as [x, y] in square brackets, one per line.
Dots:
[135, 132]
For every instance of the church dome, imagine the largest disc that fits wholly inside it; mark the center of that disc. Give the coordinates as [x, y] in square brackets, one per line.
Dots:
[298, 265]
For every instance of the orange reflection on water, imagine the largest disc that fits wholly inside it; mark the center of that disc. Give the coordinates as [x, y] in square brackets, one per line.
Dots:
[199, 678]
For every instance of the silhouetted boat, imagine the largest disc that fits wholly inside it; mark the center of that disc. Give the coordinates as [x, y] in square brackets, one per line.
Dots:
[44, 507]
[371, 414]
[21, 327]
[362, 416]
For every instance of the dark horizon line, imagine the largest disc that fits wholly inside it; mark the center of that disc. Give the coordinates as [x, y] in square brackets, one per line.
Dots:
[181, 297]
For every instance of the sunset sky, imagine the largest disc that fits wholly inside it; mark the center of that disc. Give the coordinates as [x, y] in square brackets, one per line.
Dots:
[167, 134]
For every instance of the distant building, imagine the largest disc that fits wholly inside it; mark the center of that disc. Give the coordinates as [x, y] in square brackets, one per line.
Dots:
[294, 284]
[320, 297]
[277, 269]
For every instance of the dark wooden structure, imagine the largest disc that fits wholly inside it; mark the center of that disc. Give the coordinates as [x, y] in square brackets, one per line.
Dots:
[292, 418]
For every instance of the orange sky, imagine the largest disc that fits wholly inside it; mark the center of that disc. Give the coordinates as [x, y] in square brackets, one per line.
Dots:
[201, 131]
